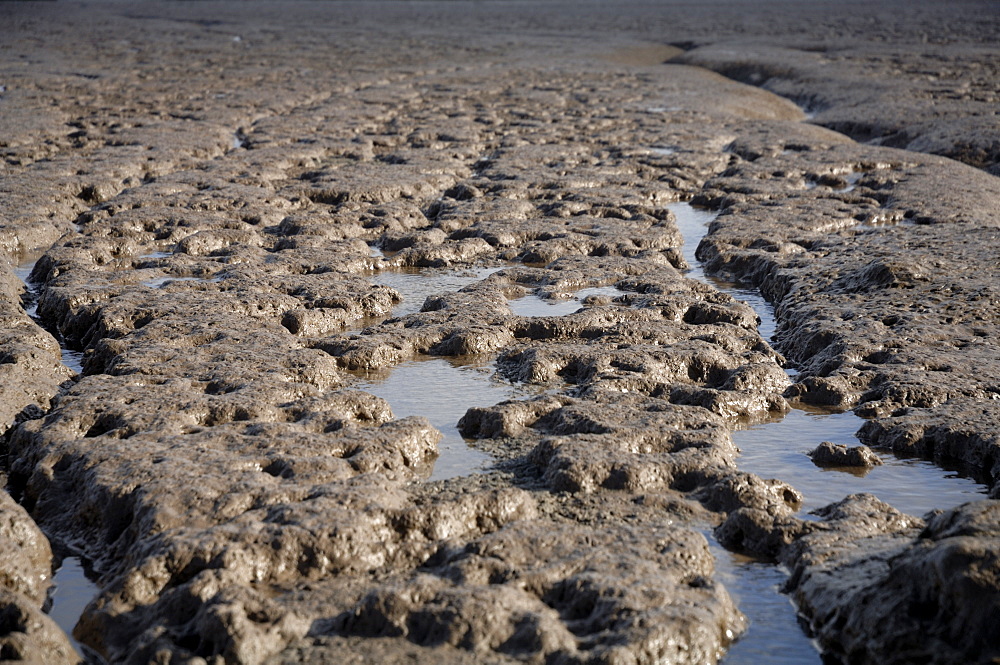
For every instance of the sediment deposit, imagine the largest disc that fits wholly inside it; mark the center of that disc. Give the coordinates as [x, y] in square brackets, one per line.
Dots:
[209, 192]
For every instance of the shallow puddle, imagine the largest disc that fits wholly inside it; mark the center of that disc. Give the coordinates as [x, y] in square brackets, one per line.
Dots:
[663, 150]
[160, 282]
[417, 284]
[156, 255]
[533, 305]
[442, 390]
[778, 450]
[72, 591]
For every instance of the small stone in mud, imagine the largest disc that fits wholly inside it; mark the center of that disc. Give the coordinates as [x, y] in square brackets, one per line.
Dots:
[829, 454]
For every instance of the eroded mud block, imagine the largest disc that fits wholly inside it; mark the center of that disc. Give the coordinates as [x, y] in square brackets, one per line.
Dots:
[832, 455]
[880, 586]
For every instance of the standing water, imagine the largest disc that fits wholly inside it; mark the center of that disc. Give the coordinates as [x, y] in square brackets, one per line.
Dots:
[72, 591]
[416, 284]
[438, 388]
[441, 390]
[532, 305]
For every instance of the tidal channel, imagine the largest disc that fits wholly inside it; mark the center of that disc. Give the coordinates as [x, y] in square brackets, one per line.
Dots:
[72, 586]
[778, 449]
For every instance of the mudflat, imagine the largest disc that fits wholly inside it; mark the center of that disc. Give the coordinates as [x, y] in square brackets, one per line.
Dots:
[214, 206]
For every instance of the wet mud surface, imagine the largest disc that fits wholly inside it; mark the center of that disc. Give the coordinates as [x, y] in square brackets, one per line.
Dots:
[421, 331]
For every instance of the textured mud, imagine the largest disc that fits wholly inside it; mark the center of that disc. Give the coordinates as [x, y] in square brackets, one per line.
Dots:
[212, 197]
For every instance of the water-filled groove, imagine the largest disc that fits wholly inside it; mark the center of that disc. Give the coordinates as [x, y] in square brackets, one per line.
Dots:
[72, 591]
[778, 449]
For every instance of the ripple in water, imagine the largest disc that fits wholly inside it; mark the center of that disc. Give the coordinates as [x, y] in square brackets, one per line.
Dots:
[774, 636]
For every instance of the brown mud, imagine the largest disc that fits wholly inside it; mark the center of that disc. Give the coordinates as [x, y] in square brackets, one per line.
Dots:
[203, 186]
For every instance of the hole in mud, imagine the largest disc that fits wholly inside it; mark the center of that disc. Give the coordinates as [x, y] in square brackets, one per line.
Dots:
[100, 428]
[279, 469]
[442, 390]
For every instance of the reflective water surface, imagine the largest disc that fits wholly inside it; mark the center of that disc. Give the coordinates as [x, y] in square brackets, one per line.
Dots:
[72, 591]
[70, 358]
[774, 635]
[533, 305]
[417, 284]
[779, 449]
[442, 390]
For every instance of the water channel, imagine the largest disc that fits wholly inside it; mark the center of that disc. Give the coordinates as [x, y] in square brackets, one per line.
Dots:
[70, 358]
[777, 449]
[72, 585]
[72, 590]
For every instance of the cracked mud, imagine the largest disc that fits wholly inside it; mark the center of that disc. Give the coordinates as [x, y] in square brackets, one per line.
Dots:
[238, 221]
